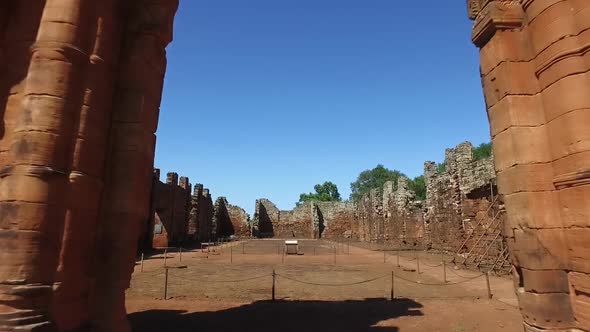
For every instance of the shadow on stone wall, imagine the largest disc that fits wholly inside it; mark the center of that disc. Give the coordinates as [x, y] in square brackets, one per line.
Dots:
[265, 226]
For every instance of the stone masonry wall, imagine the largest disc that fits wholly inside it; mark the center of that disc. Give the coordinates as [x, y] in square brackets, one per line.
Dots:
[308, 220]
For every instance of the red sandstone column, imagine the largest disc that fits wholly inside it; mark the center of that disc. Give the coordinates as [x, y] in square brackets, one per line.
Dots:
[560, 37]
[34, 183]
[130, 165]
[19, 31]
[534, 71]
[75, 272]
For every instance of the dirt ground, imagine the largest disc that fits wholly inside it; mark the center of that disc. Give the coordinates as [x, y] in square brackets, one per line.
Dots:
[331, 287]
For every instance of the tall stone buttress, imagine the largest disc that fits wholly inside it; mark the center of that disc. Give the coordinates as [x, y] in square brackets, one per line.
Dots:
[535, 73]
[80, 88]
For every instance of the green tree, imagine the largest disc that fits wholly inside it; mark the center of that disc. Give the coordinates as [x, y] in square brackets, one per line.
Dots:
[442, 167]
[373, 179]
[326, 192]
[484, 150]
[418, 185]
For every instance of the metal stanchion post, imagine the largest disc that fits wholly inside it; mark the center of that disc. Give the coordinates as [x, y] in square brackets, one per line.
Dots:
[444, 265]
[165, 256]
[384, 258]
[231, 254]
[487, 274]
[180, 255]
[334, 255]
[166, 285]
[141, 262]
[392, 285]
[274, 276]
[418, 263]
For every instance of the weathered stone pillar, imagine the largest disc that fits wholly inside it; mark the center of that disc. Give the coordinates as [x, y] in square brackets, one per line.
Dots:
[75, 272]
[534, 66]
[34, 181]
[130, 161]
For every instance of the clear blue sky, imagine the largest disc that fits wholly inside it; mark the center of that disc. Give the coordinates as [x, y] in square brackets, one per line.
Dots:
[266, 98]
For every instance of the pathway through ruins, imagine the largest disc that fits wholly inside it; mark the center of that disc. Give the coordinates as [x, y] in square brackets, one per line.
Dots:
[324, 289]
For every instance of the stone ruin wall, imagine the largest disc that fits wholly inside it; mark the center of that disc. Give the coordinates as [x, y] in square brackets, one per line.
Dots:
[456, 200]
[230, 220]
[182, 218]
[335, 220]
[240, 220]
[169, 211]
[308, 220]
[459, 198]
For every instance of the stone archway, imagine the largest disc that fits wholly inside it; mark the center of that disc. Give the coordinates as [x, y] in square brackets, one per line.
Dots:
[80, 112]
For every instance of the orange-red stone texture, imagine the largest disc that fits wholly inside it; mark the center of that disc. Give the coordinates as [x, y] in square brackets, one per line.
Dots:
[80, 87]
[535, 61]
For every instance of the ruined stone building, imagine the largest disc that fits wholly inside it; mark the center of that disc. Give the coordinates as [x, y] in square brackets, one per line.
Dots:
[458, 205]
[230, 220]
[307, 220]
[168, 212]
[80, 89]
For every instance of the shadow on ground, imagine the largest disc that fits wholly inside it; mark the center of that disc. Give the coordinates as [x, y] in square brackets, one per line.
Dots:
[263, 316]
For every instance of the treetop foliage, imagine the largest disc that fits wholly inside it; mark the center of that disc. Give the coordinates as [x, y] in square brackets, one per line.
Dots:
[326, 192]
[372, 179]
[484, 150]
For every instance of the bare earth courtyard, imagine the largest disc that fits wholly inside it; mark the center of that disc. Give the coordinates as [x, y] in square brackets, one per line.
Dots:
[331, 287]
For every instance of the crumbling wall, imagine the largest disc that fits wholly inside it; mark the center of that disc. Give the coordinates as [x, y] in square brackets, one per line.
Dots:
[403, 214]
[266, 218]
[337, 220]
[170, 211]
[222, 222]
[455, 196]
[307, 220]
[240, 221]
[371, 216]
[295, 223]
[535, 76]
[205, 210]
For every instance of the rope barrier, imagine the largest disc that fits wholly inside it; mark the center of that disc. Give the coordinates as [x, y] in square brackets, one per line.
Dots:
[332, 285]
[221, 281]
[417, 282]
[457, 274]
[437, 265]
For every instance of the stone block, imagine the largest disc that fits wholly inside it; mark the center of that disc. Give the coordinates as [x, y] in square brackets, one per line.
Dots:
[580, 296]
[549, 311]
[543, 249]
[565, 18]
[526, 178]
[566, 95]
[574, 206]
[506, 45]
[545, 281]
[571, 170]
[509, 78]
[516, 111]
[521, 145]
[569, 133]
[577, 240]
[533, 209]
